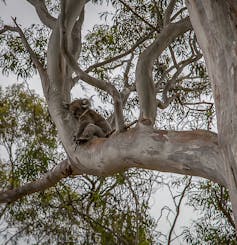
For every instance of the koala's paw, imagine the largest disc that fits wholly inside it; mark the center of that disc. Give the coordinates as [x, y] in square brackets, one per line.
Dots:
[81, 140]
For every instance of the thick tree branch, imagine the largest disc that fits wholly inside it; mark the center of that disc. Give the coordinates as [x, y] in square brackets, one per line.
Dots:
[76, 35]
[58, 70]
[217, 38]
[43, 13]
[193, 153]
[144, 81]
[51, 178]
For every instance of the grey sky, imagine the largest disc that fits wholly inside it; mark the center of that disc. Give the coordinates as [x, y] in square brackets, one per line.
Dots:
[26, 15]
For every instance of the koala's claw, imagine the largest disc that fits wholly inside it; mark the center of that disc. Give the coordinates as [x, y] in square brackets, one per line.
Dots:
[80, 140]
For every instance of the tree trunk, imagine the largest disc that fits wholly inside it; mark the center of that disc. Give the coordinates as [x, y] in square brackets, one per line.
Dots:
[214, 23]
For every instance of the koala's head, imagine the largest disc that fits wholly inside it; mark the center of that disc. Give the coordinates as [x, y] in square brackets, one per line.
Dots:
[78, 106]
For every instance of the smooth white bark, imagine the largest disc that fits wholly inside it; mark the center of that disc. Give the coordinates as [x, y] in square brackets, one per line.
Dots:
[193, 153]
[214, 23]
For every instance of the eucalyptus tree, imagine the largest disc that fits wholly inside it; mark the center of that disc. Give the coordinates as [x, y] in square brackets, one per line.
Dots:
[154, 41]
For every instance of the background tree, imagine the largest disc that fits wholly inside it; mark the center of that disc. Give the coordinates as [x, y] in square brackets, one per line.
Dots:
[144, 38]
[216, 224]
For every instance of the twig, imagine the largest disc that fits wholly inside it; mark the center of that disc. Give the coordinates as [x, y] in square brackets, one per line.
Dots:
[140, 17]
[178, 209]
[33, 56]
[109, 60]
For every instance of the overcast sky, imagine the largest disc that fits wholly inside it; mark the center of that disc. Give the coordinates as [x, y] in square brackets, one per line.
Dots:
[26, 15]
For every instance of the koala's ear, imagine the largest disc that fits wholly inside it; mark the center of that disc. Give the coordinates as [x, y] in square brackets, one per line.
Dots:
[66, 105]
[85, 103]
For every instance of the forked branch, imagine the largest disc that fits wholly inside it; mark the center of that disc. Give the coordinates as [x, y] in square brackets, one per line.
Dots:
[43, 13]
[144, 81]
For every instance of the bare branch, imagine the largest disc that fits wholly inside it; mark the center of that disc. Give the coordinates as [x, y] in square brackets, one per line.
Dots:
[114, 58]
[8, 28]
[177, 206]
[178, 13]
[144, 81]
[158, 15]
[171, 82]
[166, 103]
[128, 67]
[43, 13]
[140, 17]
[198, 103]
[33, 56]
[173, 57]
[51, 178]
[169, 12]
[37, 63]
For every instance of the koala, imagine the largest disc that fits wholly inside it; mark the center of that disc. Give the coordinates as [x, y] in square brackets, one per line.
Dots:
[90, 123]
